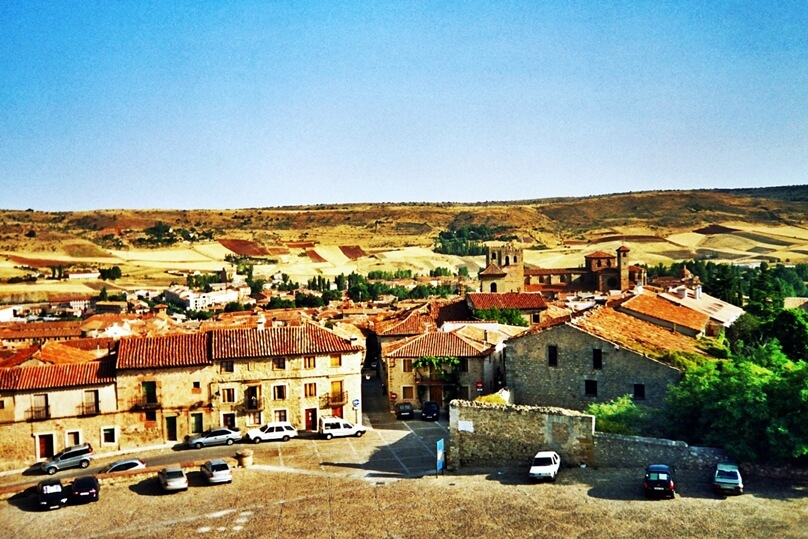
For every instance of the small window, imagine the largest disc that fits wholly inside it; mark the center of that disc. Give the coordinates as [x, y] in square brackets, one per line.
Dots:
[310, 390]
[464, 364]
[2, 404]
[406, 364]
[407, 393]
[639, 392]
[279, 393]
[597, 358]
[279, 364]
[151, 416]
[254, 418]
[280, 415]
[591, 388]
[228, 394]
[309, 362]
[227, 366]
[336, 360]
[109, 435]
[552, 355]
[197, 387]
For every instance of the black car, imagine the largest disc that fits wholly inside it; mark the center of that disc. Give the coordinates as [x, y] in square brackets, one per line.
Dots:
[84, 489]
[659, 481]
[404, 410]
[51, 494]
[430, 411]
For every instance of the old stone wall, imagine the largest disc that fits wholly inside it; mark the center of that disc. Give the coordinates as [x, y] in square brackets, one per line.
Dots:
[616, 450]
[535, 381]
[484, 434]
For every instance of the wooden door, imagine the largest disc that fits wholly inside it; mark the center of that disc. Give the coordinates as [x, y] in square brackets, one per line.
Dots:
[311, 418]
[45, 448]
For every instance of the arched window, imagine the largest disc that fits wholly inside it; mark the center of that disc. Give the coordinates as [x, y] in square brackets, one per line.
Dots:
[493, 288]
[507, 261]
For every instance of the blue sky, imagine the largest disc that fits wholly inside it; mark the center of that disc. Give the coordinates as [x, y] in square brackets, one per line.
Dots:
[226, 105]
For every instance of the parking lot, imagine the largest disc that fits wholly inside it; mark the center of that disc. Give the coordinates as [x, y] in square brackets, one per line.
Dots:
[384, 485]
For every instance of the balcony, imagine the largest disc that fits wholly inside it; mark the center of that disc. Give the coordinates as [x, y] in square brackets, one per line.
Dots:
[38, 413]
[253, 404]
[89, 408]
[149, 402]
[334, 400]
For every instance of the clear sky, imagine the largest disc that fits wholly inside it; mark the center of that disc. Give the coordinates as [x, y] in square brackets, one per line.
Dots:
[240, 104]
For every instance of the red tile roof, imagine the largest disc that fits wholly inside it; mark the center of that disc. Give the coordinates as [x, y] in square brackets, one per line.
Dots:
[56, 376]
[437, 343]
[41, 330]
[492, 269]
[278, 341]
[652, 306]
[509, 300]
[555, 271]
[163, 352]
[600, 254]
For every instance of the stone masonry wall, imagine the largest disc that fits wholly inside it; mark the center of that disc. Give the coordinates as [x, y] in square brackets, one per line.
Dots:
[482, 434]
[616, 450]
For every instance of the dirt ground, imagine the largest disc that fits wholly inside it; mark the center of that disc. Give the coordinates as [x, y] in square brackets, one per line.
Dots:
[476, 503]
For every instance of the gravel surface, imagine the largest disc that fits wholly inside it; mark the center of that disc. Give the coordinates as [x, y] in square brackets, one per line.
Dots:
[264, 502]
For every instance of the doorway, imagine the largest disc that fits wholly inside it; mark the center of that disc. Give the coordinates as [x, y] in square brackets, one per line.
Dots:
[45, 446]
[229, 420]
[171, 428]
[311, 418]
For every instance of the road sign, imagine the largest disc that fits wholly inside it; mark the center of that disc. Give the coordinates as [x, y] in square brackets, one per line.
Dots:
[441, 463]
[355, 403]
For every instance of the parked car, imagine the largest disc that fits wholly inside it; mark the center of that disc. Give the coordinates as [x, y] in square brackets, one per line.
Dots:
[330, 426]
[217, 436]
[404, 410]
[51, 494]
[84, 489]
[659, 481]
[124, 465]
[172, 478]
[70, 457]
[216, 471]
[430, 411]
[545, 465]
[727, 479]
[279, 430]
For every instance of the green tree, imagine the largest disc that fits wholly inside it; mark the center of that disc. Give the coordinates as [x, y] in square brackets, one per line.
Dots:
[765, 294]
[790, 327]
[512, 317]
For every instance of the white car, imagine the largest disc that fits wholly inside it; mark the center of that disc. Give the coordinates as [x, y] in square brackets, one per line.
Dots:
[216, 471]
[173, 478]
[279, 430]
[545, 465]
[331, 427]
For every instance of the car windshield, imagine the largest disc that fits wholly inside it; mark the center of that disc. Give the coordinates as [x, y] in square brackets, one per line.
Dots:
[658, 476]
[543, 461]
[51, 489]
[727, 474]
[220, 467]
[174, 474]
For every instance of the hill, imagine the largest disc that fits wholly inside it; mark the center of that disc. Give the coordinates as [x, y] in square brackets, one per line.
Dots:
[744, 226]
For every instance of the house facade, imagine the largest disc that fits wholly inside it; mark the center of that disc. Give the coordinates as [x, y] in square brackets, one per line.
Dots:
[591, 359]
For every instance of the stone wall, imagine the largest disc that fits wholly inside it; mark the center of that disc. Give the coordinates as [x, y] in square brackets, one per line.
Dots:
[616, 450]
[485, 434]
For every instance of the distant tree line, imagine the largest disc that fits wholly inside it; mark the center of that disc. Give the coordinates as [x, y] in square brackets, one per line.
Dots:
[468, 240]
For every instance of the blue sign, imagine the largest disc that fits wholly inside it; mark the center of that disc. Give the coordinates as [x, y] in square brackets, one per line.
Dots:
[441, 462]
[355, 403]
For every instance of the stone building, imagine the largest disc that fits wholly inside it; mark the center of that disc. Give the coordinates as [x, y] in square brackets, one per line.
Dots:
[504, 269]
[597, 357]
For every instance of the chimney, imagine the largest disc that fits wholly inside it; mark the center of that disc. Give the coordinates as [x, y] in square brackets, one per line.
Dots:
[261, 322]
[698, 292]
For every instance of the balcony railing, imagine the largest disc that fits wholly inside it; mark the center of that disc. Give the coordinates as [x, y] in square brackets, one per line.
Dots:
[89, 408]
[333, 400]
[146, 403]
[253, 404]
[38, 413]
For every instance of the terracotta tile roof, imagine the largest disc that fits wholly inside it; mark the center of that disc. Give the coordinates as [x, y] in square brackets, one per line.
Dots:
[278, 341]
[652, 306]
[41, 330]
[509, 300]
[492, 269]
[413, 322]
[436, 344]
[633, 333]
[556, 271]
[163, 352]
[600, 254]
[55, 376]
[91, 344]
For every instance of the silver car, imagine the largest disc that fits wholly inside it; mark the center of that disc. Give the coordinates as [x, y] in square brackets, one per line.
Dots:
[216, 471]
[217, 436]
[172, 478]
[124, 465]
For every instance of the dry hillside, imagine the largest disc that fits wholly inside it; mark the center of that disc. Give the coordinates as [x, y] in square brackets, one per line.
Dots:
[744, 226]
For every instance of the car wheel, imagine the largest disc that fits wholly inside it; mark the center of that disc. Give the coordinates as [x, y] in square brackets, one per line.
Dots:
[285, 438]
[359, 433]
[256, 440]
[229, 441]
[328, 436]
[198, 445]
[51, 470]
[84, 463]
